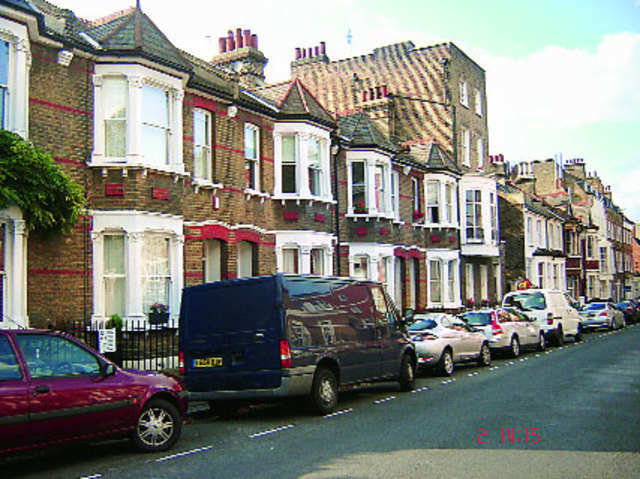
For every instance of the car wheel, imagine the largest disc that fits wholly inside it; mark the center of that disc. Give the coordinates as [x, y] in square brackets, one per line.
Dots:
[445, 366]
[578, 336]
[559, 336]
[158, 426]
[485, 355]
[324, 392]
[515, 347]
[407, 374]
[542, 342]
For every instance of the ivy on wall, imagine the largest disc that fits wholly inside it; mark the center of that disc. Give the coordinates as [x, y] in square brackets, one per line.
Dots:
[30, 179]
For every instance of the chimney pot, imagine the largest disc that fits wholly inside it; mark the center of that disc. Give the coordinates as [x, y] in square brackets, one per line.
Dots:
[323, 48]
[364, 95]
[231, 44]
[372, 93]
[378, 92]
[298, 53]
[246, 36]
[310, 53]
[385, 93]
[239, 43]
[222, 44]
[304, 53]
[316, 51]
[254, 41]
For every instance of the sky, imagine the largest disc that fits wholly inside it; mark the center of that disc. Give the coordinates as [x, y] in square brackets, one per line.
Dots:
[563, 76]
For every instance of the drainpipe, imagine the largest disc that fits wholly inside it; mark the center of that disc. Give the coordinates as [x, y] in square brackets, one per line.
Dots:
[337, 212]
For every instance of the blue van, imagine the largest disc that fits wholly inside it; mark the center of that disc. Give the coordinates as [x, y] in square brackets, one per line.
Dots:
[289, 335]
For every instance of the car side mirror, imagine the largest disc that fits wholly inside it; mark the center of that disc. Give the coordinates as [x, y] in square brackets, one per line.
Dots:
[107, 369]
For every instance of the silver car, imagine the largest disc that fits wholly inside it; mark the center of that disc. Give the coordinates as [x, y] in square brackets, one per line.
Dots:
[507, 329]
[442, 340]
[601, 314]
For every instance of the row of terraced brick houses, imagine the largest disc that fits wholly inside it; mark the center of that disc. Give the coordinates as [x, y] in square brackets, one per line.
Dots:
[374, 167]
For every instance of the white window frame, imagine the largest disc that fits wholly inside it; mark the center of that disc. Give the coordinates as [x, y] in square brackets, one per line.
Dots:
[16, 117]
[135, 225]
[241, 248]
[395, 194]
[302, 132]
[465, 146]
[433, 186]
[447, 204]
[137, 76]
[484, 282]
[212, 260]
[373, 161]
[480, 151]
[306, 242]
[14, 278]
[295, 250]
[107, 277]
[449, 261]
[469, 282]
[478, 105]
[436, 265]
[254, 129]
[464, 92]
[477, 226]
[206, 147]
[360, 259]
[156, 125]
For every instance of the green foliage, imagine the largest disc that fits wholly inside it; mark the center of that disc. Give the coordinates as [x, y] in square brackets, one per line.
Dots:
[30, 179]
[115, 321]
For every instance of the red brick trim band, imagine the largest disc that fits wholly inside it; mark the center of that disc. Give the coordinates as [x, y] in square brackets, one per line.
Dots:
[59, 107]
[69, 161]
[226, 148]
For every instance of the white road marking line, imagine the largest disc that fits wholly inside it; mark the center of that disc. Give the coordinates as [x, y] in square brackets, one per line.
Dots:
[426, 388]
[537, 355]
[338, 413]
[272, 431]
[185, 453]
[95, 476]
[380, 401]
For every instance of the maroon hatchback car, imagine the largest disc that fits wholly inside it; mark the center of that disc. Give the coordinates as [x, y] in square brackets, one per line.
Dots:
[54, 389]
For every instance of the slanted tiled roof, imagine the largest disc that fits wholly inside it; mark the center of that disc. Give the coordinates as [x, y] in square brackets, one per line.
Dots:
[133, 33]
[294, 102]
[362, 132]
[405, 70]
[437, 159]
[23, 5]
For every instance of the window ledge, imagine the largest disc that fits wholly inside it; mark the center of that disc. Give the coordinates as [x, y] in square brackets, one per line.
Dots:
[206, 184]
[124, 166]
[367, 216]
[248, 192]
[297, 198]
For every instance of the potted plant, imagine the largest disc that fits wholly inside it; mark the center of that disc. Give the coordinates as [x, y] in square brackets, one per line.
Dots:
[158, 313]
[417, 215]
[360, 208]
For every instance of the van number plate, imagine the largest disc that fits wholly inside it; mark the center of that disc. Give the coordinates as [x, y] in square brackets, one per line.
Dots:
[207, 362]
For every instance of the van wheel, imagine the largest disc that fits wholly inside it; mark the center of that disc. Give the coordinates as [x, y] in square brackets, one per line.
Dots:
[445, 365]
[515, 347]
[407, 374]
[158, 426]
[324, 392]
[542, 342]
[559, 336]
[485, 355]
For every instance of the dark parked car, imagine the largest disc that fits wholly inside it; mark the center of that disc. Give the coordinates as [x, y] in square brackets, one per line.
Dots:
[54, 389]
[289, 335]
[630, 311]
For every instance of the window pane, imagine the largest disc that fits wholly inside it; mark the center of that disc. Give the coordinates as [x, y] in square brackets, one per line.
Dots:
[451, 278]
[212, 260]
[115, 114]
[361, 267]
[245, 259]
[114, 254]
[154, 144]
[288, 149]
[114, 275]
[315, 181]
[317, 261]
[155, 106]
[156, 277]
[9, 368]
[358, 196]
[435, 282]
[4, 63]
[290, 260]
[288, 178]
[114, 296]
[250, 142]
[313, 152]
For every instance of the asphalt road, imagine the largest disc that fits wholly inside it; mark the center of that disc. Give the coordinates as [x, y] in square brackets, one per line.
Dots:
[583, 401]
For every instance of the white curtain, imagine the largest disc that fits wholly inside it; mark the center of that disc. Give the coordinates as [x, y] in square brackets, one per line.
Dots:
[114, 275]
[155, 271]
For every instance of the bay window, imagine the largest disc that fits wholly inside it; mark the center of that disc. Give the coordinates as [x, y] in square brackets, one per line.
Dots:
[202, 167]
[251, 157]
[442, 281]
[138, 118]
[440, 191]
[304, 252]
[372, 190]
[474, 215]
[155, 270]
[301, 162]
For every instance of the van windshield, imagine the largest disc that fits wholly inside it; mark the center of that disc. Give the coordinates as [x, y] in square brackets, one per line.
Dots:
[526, 301]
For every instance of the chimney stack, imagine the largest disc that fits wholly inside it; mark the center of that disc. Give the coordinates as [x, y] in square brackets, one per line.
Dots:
[298, 53]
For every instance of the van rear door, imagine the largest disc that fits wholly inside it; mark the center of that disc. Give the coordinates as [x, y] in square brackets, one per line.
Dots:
[230, 334]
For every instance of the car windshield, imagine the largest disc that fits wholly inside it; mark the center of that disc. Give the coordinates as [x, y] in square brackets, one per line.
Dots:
[422, 324]
[477, 318]
[594, 306]
[526, 301]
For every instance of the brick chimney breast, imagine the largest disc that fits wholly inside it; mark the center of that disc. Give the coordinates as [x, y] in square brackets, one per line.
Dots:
[240, 54]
